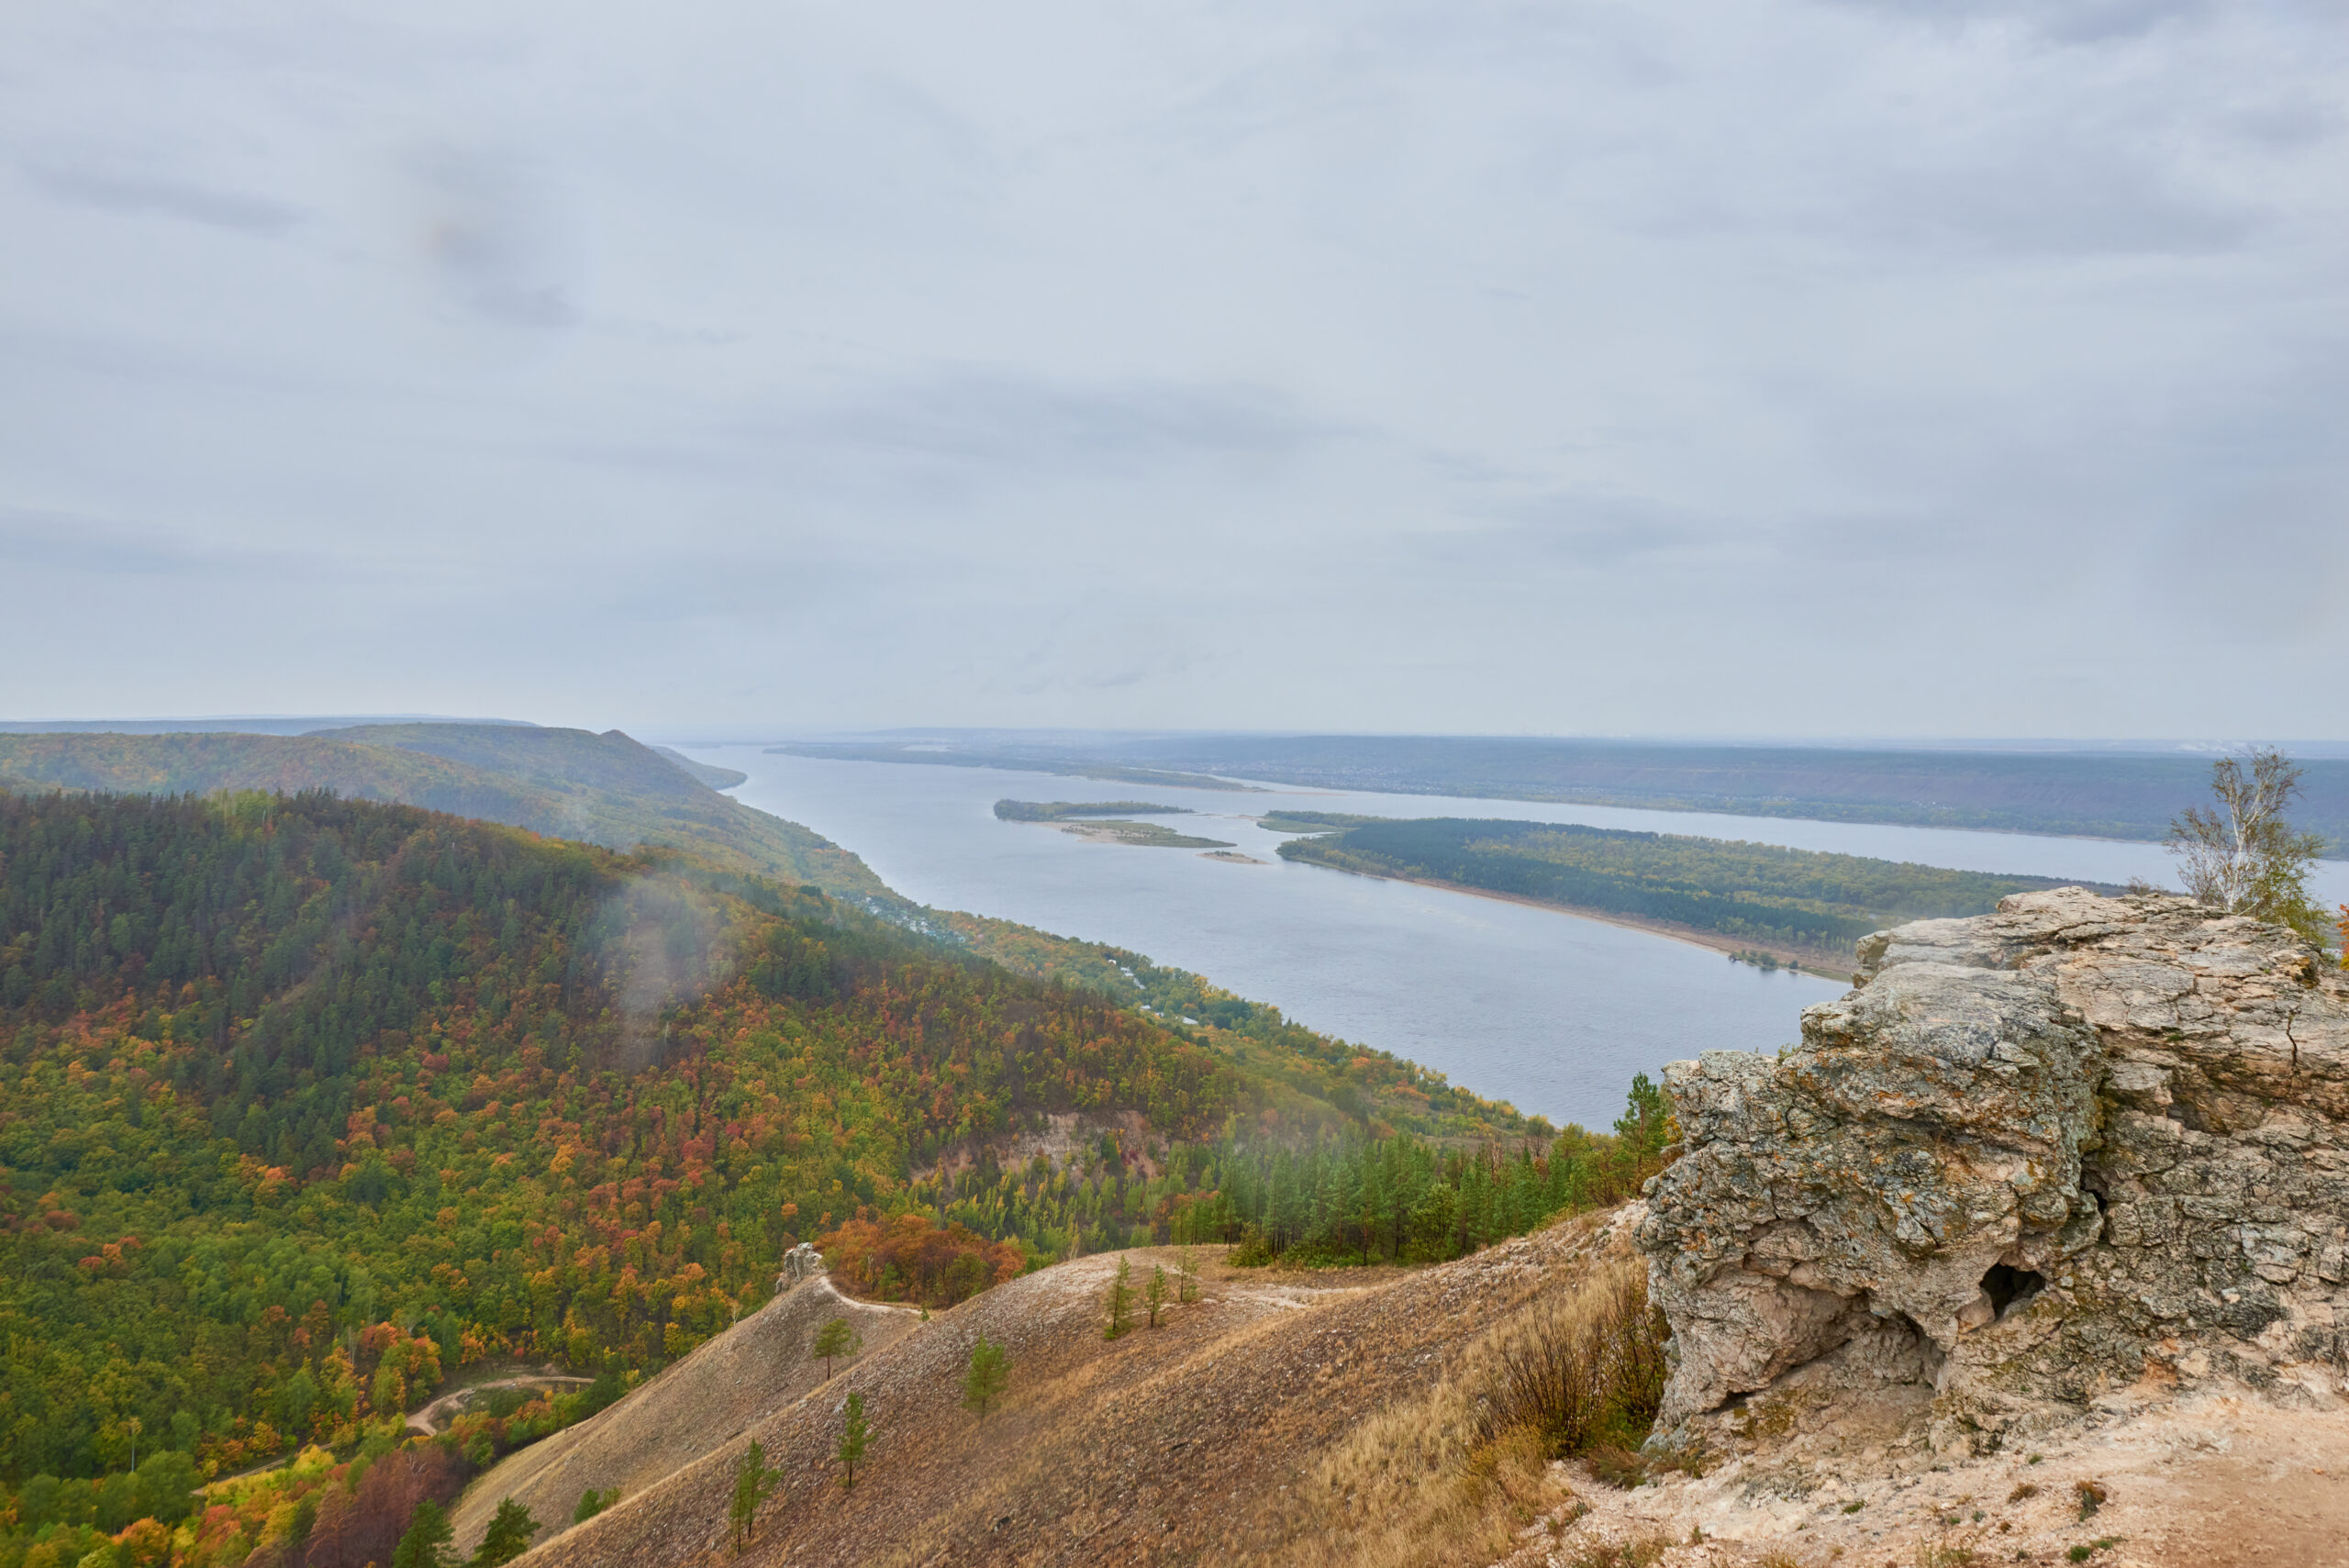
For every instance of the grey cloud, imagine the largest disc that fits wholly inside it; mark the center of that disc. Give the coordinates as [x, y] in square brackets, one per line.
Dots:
[1570, 530]
[2067, 21]
[66, 541]
[976, 418]
[2052, 200]
[115, 191]
[490, 232]
[1188, 364]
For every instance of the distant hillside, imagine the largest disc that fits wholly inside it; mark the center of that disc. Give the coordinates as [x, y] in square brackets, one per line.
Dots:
[714, 776]
[297, 1089]
[2096, 793]
[601, 789]
[526, 1097]
[1026, 759]
[232, 725]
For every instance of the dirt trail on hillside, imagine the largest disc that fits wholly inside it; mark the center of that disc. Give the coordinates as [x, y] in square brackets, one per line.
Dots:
[712, 1397]
[428, 1420]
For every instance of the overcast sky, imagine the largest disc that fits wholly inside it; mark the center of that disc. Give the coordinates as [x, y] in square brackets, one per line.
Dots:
[1663, 366]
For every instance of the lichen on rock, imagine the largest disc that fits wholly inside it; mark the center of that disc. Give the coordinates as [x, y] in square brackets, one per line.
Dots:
[2032, 1160]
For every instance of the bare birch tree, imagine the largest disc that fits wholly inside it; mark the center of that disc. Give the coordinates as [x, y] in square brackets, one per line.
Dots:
[2241, 856]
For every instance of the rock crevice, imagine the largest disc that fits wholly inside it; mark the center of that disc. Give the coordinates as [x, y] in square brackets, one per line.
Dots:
[2032, 1160]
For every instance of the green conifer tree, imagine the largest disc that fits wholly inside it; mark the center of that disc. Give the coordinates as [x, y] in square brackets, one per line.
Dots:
[508, 1535]
[753, 1484]
[855, 1433]
[1121, 1300]
[990, 1371]
[836, 1338]
[1154, 1293]
[426, 1544]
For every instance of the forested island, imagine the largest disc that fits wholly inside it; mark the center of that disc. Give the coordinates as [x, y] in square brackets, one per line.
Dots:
[1140, 835]
[1798, 905]
[1104, 822]
[1063, 810]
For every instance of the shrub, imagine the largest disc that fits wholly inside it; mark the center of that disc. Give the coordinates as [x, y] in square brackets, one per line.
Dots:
[1254, 1248]
[1585, 1373]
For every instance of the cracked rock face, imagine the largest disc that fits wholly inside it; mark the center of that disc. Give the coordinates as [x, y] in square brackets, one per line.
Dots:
[2033, 1159]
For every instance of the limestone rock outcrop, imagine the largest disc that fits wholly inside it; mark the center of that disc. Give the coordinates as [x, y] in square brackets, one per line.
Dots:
[802, 1262]
[2032, 1160]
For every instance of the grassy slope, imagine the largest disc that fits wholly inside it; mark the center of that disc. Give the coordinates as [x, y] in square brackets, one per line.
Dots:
[1232, 1433]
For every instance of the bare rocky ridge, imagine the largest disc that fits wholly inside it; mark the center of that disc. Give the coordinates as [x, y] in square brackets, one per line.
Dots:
[1193, 1443]
[704, 1402]
[2078, 1149]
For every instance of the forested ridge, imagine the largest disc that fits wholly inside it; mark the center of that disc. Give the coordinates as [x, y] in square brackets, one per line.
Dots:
[1820, 903]
[307, 1102]
[603, 789]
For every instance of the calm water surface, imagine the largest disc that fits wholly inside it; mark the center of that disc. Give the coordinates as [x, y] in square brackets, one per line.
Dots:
[1548, 1010]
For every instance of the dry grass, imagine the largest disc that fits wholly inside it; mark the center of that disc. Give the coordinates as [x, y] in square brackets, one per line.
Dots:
[1453, 1475]
[1944, 1550]
[1643, 1553]
[1584, 1372]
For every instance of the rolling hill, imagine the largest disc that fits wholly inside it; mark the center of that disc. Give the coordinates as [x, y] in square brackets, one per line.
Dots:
[1236, 1432]
[709, 1399]
[602, 789]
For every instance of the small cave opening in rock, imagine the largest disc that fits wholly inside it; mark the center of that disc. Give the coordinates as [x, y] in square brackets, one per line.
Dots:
[2008, 1286]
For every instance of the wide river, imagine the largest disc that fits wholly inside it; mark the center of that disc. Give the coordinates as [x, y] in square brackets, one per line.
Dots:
[1550, 1011]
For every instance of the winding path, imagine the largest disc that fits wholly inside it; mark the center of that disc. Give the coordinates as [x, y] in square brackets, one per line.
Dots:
[429, 1418]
